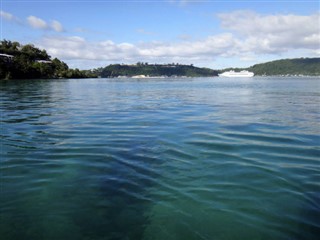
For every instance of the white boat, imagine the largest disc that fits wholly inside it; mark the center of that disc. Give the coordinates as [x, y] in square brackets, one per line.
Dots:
[139, 76]
[232, 73]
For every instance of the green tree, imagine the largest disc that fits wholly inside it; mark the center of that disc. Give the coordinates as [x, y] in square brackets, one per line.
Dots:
[31, 62]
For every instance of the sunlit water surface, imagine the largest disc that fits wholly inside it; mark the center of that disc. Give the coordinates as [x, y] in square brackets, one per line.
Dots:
[160, 159]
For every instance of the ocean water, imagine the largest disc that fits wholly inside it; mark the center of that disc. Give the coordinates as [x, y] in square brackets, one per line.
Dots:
[160, 159]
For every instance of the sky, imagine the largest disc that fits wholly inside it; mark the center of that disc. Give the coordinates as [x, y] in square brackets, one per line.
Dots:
[206, 33]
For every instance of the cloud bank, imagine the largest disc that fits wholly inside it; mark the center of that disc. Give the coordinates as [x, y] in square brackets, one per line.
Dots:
[273, 33]
[246, 36]
[39, 23]
[9, 17]
[34, 22]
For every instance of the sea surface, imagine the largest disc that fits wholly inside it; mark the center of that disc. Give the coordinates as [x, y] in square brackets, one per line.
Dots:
[160, 159]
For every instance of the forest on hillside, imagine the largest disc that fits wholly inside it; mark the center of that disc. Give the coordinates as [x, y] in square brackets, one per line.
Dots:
[284, 67]
[291, 67]
[19, 61]
[168, 70]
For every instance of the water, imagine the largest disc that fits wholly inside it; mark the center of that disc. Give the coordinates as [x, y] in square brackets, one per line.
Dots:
[203, 158]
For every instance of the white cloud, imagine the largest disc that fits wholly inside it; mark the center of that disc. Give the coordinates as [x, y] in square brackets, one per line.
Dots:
[6, 15]
[78, 48]
[33, 22]
[9, 17]
[37, 23]
[248, 36]
[249, 22]
[212, 45]
[41, 24]
[56, 26]
[273, 33]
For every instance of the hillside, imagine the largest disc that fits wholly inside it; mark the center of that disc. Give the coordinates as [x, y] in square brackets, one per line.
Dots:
[296, 66]
[19, 61]
[116, 70]
[284, 67]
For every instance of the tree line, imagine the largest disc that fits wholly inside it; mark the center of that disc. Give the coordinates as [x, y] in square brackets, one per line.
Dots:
[116, 70]
[284, 67]
[291, 67]
[19, 61]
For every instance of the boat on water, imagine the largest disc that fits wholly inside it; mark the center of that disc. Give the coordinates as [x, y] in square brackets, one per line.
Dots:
[147, 76]
[232, 73]
[139, 76]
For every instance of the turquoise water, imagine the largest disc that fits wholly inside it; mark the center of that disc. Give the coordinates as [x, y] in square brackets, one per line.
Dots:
[202, 158]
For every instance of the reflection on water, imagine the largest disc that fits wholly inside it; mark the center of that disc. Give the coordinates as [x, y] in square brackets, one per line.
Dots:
[160, 159]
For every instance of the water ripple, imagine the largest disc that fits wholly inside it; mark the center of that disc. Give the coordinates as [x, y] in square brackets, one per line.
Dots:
[166, 159]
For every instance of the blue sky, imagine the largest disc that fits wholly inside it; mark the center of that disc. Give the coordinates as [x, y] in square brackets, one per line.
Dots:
[215, 34]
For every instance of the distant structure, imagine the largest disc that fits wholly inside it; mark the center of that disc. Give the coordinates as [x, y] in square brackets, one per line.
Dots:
[10, 57]
[232, 73]
[43, 61]
[6, 56]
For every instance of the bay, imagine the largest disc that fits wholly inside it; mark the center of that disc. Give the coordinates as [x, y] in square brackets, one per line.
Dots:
[176, 158]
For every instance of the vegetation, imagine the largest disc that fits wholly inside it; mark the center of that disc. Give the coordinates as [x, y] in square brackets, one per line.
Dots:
[285, 67]
[297, 66]
[116, 70]
[26, 61]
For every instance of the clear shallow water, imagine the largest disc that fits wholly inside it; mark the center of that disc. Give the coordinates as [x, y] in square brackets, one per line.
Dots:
[207, 158]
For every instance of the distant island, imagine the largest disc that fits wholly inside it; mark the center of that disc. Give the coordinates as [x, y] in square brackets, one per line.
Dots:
[285, 67]
[156, 70]
[19, 61]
